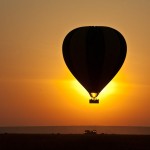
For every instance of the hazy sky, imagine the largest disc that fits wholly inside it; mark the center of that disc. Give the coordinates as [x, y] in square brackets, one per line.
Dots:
[36, 88]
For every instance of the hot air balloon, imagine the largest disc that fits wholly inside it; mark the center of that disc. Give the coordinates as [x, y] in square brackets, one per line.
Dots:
[94, 55]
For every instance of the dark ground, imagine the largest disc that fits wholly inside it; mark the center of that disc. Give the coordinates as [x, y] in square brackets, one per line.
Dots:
[73, 142]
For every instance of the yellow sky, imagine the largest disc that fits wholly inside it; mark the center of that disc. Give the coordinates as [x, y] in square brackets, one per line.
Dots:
[36, 88]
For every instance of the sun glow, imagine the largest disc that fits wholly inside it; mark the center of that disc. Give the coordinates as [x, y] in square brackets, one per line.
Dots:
[79, 88]
[109, 89]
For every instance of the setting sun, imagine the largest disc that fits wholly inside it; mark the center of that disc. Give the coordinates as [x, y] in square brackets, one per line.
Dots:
[111, 88]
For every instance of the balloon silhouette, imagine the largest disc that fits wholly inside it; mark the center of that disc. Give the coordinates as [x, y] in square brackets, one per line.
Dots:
[94, 55]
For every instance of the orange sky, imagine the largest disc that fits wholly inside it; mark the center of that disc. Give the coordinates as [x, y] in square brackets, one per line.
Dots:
[36, 88]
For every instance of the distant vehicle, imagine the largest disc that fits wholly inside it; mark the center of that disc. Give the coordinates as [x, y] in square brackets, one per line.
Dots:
[90, 132]
[94, 55]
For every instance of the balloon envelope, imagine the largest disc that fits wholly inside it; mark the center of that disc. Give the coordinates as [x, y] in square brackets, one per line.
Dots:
[94, 55]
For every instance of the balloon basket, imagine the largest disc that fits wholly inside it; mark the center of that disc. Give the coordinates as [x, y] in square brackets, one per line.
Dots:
[94, 101]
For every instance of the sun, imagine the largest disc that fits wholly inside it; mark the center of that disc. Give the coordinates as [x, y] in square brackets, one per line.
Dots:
[108, 90]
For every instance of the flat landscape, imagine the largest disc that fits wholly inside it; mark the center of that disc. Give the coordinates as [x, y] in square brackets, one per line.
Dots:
[74, 142]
